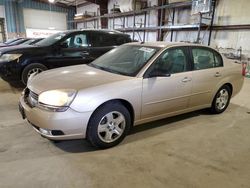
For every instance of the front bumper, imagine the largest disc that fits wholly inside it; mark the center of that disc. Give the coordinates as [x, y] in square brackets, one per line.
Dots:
[10, 71]
[72, 124]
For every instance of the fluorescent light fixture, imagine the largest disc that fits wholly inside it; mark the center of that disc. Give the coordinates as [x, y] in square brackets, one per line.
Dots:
[79, 14]
[51, 28]
[51, 1]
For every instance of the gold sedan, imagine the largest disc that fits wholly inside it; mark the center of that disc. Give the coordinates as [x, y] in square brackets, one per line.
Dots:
[130, 85]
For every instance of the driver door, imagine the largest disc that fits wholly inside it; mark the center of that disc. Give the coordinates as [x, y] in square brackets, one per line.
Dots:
[168, 83]
[73, 50]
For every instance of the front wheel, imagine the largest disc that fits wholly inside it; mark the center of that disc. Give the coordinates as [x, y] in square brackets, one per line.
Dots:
[30, 69]
[221, 100]
[109, 125]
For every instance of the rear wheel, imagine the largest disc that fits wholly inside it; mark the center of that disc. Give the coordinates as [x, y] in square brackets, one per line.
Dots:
[221, 100]
[30, 69]
[109, 125]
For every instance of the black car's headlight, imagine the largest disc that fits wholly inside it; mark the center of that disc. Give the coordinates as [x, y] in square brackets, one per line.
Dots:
[9, 57]
[56, 100]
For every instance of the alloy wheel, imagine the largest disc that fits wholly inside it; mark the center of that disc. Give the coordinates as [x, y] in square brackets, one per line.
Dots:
[111, 127]
[34, 70]
[222, 99]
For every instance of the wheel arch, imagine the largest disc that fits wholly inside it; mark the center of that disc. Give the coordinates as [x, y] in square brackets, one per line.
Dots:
[230, 86]
[218, 86]
[124, 102]
[29, 64]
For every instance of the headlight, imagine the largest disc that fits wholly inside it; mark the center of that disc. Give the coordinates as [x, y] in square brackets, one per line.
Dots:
[56, 100]
[9, 57]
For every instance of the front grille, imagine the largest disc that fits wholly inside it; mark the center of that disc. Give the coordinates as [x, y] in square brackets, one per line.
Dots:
[57, 132]
[52, 132]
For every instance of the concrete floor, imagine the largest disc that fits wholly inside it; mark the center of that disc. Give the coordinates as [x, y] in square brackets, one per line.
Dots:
[191, 150]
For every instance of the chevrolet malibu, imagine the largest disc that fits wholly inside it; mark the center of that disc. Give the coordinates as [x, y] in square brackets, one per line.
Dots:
[130, 85]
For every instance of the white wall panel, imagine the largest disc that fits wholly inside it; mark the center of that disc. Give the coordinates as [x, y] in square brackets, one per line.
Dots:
[40, 19]
[232, 12]
[90, 9]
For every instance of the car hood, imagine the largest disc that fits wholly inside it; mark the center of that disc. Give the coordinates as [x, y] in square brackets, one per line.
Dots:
[74, 77]
[16, 49]
[3, 45]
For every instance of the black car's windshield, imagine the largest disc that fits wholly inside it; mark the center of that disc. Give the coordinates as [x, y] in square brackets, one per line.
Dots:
[126, 60]
[51, 39]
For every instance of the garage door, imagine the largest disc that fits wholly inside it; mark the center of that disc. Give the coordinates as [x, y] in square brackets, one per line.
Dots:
[40, 19]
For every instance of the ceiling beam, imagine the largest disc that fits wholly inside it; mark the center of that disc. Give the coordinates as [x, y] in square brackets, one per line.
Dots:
[98, 2]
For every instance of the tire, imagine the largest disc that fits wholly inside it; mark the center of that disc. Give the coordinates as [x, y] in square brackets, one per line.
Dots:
[221, 100]
[32, 68]
[108, 125]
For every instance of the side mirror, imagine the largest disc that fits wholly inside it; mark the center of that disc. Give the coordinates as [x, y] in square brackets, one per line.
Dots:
[64, 45]
[156, 73]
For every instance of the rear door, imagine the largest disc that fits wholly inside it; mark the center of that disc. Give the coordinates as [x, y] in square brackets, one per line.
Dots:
[101, 42]
[207, 72]
[170, 93]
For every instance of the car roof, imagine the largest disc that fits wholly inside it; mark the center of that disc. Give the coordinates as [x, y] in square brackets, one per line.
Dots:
[164, 44]
[109, 31]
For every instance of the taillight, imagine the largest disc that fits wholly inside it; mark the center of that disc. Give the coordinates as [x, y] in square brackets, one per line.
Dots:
[244, 67]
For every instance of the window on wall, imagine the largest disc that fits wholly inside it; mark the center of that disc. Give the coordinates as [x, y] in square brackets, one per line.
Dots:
[206, 58]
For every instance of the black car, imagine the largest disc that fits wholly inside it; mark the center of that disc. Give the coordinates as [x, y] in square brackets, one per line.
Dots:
[61, 49]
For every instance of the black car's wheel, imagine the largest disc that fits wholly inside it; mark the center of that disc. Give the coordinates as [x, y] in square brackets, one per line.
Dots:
[109, 125]
[30, 69]
[221, 100]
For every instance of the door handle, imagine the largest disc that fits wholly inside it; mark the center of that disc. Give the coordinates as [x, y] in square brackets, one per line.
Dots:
[217, 74]
[186, 79]
[85, 53]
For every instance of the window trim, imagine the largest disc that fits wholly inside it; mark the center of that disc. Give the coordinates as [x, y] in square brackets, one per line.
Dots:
[214, 52]
[186, 53]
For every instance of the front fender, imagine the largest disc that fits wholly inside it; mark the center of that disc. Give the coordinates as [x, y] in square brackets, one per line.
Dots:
[90, 99]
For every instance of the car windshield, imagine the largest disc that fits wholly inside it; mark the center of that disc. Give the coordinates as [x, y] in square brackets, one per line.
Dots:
[51, 39]
[126, 60]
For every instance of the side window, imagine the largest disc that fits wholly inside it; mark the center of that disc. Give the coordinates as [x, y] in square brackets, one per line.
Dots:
[119, 40]
[77, 41]
[218, 60]
[205, 59]
[80, 40]
[171, 61]
[103, 39]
